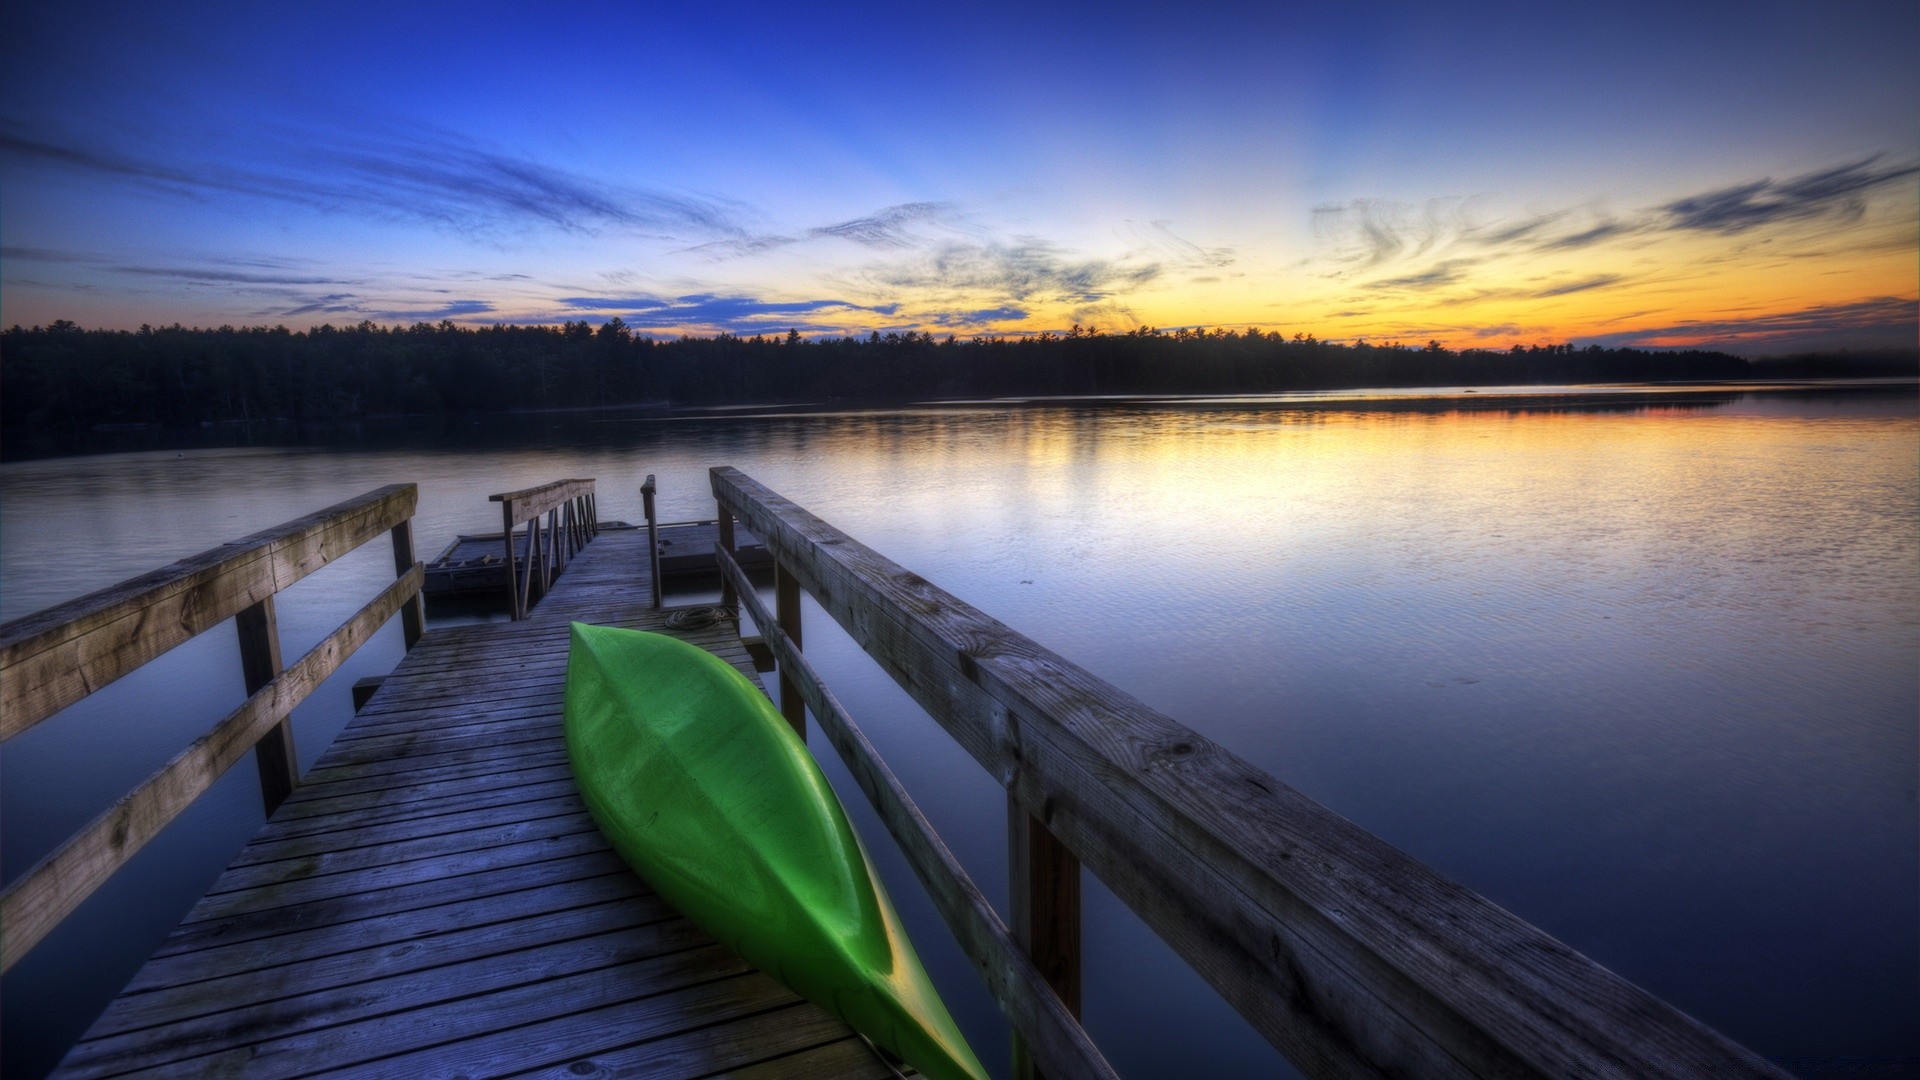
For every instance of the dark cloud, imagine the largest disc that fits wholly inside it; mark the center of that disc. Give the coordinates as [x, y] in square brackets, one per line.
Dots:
[1830, 193]
[415, 174]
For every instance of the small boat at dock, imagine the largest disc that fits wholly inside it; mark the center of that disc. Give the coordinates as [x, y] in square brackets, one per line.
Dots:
[704, 789]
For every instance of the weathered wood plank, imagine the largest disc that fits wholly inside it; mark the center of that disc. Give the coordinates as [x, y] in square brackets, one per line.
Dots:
[318, 860]
[1348, 955]
[588, 1032]
[53, 658]
[418, 819]
[231, 928]
[442, 869]
[389, 939]
[385, 801]
[228, 989]
[263, 1027]
[717, 1049]
[45, 894]
[1036, 1011]
[841, 1059]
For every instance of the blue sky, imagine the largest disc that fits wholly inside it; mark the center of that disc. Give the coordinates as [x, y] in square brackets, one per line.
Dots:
[1733, 174]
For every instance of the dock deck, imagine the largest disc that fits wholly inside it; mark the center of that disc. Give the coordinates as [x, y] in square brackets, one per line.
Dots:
[433, 900]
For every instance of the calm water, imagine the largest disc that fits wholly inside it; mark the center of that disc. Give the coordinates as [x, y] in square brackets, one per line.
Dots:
[1648, 677]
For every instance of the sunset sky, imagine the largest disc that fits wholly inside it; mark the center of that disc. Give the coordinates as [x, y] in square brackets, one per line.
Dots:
[1742, 175]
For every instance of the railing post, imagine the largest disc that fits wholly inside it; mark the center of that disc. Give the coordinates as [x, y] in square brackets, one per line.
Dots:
[259, 665]
[653, 537]
[727, 596]
[413, 617]
[786, 606]
[1044, 882]
[516, 608]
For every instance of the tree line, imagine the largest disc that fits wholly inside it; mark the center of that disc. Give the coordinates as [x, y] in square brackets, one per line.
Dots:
[62, 378]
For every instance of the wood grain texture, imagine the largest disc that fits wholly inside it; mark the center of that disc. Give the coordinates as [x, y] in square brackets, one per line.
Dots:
[1348, 955]
[47, 893]
[432, 900]
[53, 658]
[1039, 1016]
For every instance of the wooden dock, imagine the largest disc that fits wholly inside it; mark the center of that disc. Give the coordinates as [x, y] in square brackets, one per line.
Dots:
[433, 899]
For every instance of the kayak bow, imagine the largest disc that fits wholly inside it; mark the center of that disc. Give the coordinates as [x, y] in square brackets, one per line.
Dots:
[706, 791]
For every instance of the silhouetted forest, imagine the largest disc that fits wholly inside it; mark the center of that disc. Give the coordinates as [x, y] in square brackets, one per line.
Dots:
[61, 378]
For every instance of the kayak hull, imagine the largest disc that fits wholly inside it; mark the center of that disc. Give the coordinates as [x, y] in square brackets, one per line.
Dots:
[704, 789]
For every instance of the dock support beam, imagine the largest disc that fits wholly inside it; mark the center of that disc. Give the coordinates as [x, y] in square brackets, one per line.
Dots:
[259, 665]
[786, 606]
[413, 617]
[1044, 882]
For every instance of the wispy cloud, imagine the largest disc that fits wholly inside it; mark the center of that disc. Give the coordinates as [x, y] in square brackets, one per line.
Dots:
[1598, 281]
[1881, 320]
[1028, 271]
[423, 175]
[1829, 193]
[732, 313]
[1447, 273]
[1433, 245]
[893, 228]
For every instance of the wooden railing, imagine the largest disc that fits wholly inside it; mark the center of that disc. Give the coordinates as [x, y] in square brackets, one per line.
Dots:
[571, 519]
[647, 489]
[1349, 956]
[54, 658]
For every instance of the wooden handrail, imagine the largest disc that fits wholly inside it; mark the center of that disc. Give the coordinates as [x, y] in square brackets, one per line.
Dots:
[1049, 1027]
[109, 633]
[572, 519]
[1348, 955]
[527, 503]
[55, 657]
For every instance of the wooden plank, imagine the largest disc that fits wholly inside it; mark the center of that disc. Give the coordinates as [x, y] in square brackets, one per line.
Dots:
[414, 818]
[317, 865]
[381, 939]
[442, 870]
[715, 1050]
[228, 988]
[53, 658]
[597, 1015]
[331, 804]
[362, 1020]
[45, 894]
[1037, 1012]
[841, 1059]
[229, 928]
[1348, 955]
[398, 840]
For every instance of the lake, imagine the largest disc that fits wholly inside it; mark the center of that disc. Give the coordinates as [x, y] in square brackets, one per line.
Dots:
[1641, 666]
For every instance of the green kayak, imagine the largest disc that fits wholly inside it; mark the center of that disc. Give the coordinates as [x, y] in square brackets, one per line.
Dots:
[706, 791]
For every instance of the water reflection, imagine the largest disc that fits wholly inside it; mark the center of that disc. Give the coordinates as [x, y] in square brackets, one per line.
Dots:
[1643, 671]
